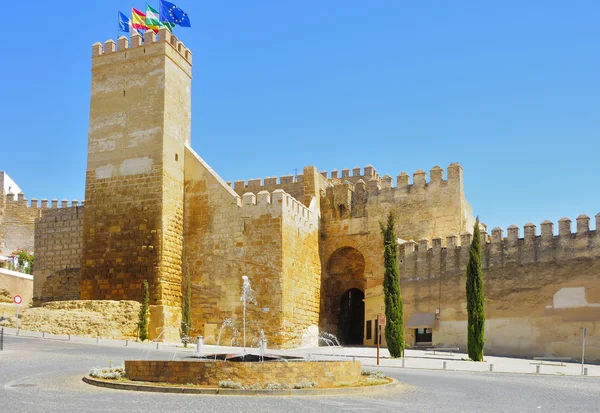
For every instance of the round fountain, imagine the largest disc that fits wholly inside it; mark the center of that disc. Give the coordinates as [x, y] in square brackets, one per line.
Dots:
[248, 367]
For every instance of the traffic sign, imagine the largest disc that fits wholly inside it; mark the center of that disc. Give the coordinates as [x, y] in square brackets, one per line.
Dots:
[17, 299]
[381, 320]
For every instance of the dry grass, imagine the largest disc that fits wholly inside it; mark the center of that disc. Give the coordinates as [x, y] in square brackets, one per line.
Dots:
[107, 319]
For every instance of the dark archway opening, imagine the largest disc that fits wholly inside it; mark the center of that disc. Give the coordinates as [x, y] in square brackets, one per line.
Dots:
[352, 317]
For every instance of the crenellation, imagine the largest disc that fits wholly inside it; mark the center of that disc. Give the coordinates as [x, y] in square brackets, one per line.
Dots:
[254, 184]
[564, 226]
[34, 203]
[136, 40]
[512, 250]
[149, 37]
[334, 174]
[286, 179]
[271, 181]
[96, 49]
[263, 198]
[436, 175]
[402, 180]
[386, 182]
[409, 247]
[64, 203]
[465, 239]
[497, 235]
[324, 174]
[21, 197]
[44, 203]
[370, 171]
[529, 232]
[109, 46]
[239, 186]
[345, 173]
[452, 242]
[123, 43]
[583, 224]
[547, 230]
[513, 234]
[356, 171]
[419, 179]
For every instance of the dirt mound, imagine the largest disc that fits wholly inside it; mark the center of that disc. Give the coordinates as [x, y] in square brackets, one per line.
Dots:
[107, 319]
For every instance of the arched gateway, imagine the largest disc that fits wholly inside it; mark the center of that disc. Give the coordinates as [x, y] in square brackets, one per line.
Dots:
[343, 292]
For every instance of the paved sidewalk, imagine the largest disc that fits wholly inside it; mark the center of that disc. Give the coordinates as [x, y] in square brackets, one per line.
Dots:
[414, 359]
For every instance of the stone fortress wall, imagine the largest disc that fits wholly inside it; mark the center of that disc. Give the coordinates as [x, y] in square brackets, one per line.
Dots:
[270, 237]
[311, 244]
[140, 122]
[541, 290]
[352, 250]
[58, 243]
[53, 231]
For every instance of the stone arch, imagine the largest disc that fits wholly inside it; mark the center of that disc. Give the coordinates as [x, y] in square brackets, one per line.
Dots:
[344, 271]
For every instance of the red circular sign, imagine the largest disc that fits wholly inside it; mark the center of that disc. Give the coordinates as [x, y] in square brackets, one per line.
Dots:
[17, 299]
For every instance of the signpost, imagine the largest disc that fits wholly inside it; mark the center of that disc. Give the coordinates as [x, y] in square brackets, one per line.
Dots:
[17, 300]
[583, 349]
[381, 321]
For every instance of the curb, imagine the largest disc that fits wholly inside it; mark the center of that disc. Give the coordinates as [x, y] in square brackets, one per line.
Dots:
[245, 392]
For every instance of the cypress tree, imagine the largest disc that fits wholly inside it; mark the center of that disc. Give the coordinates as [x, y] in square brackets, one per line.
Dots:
[186, 304]
[475, 299]
[394, 328]
[143, 316]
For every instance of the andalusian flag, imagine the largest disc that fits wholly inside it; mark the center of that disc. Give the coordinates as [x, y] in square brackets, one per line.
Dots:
[153, 21]
[138, 20]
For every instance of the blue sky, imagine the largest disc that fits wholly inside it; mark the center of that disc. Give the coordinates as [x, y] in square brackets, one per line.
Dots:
[510, 90]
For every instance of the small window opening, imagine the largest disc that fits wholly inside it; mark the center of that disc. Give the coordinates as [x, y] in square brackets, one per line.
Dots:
[369, 330]
[176, 157]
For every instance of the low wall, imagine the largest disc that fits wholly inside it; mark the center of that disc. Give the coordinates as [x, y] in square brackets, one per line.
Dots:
[209, 373]
[17, 283]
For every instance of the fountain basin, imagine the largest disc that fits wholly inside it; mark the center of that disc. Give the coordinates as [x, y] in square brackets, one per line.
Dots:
[210, 373]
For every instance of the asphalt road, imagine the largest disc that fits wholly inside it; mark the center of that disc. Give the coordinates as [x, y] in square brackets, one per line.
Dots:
[45, 376]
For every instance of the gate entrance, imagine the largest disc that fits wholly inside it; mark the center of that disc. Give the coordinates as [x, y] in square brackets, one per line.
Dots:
[352, 317]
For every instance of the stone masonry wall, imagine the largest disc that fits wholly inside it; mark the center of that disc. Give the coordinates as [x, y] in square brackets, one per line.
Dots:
[139, 125]
[351, 217]
[58, 240]
[228, 237]
[17, 222]
[541, 290]
[301, 269]
[325, 373]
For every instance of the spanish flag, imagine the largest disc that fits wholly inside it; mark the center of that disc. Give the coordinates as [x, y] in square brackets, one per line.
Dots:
[138, 20]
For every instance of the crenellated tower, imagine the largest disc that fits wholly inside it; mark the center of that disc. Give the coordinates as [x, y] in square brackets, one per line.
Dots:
[140, 122]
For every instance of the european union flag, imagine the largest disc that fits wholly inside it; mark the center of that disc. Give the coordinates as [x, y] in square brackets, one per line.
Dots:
[173, 14]
[124, 23]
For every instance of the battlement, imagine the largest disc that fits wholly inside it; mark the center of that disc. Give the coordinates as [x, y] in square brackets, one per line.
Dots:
[353, 174]
[422, 258]
[278, 203]
[123, 44]
[257, 184]
[374, 182]
[36, 204]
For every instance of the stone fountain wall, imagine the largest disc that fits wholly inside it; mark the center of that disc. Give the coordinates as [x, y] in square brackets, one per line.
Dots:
[208, 373]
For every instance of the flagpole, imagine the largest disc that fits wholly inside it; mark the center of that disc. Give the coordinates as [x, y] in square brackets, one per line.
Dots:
[118, 25]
